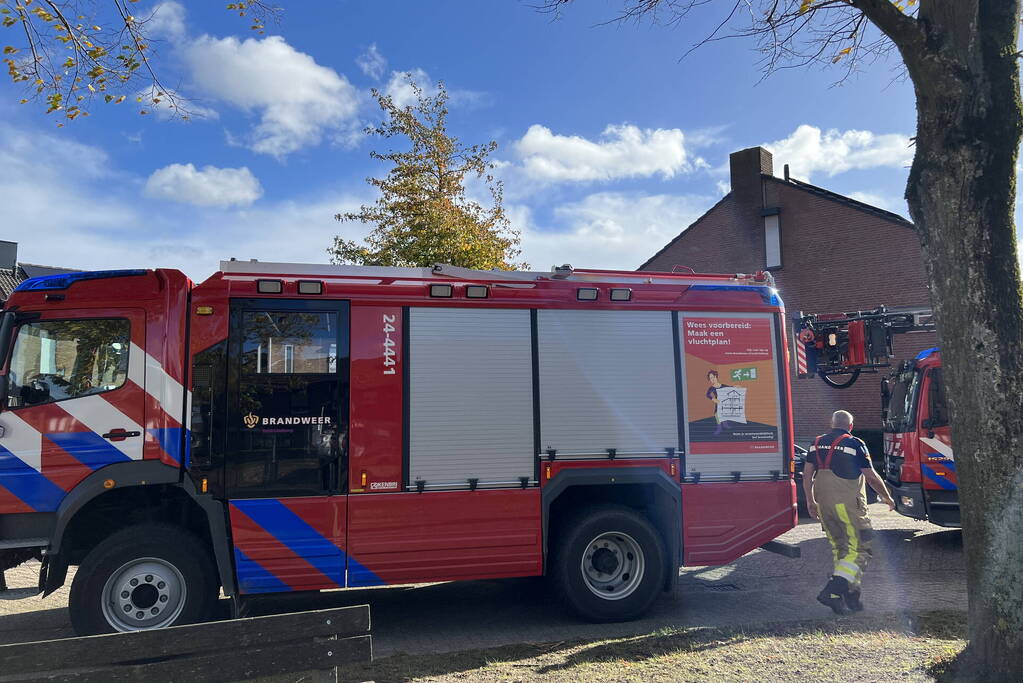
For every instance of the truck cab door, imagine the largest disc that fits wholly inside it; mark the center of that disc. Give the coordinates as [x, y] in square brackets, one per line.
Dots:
[76, 403]
[937, 463]
[287, 432]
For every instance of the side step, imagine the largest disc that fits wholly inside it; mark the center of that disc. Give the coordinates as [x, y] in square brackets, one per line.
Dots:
[782, 548]
[24, 543]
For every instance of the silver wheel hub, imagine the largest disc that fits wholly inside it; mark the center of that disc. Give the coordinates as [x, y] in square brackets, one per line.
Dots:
[143, 594]
[612, 565]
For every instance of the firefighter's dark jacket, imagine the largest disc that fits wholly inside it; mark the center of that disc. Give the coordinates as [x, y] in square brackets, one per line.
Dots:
[848, 458]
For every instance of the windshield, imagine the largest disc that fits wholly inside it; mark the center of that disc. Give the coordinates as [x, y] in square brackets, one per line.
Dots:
[901, 413]
[55, 360]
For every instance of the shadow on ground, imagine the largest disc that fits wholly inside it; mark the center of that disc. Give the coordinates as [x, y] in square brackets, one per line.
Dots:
[935, 625]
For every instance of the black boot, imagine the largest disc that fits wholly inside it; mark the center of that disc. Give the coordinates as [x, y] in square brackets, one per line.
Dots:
[834, 595]
[852, 600]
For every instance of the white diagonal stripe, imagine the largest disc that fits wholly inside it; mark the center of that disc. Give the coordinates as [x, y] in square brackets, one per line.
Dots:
[164, 388]
[21, 439]
[940, 446]
[100, 416]
[137, 365]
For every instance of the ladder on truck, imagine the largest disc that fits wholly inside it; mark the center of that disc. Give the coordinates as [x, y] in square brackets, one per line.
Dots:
[683, 275]
[844, 345]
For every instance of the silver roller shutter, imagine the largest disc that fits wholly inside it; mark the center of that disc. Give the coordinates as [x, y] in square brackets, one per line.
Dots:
[607, 380]
[470, 396]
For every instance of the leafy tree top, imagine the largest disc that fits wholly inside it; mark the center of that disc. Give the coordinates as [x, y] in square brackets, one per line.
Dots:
[424, 215]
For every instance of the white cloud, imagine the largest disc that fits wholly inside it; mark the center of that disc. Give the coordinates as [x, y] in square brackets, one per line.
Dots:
[167, 21]
[95, 219]
[298, 100]
[212, 186]
[607, 229]
[372, 63]
[622, 151]
[809, 150]
[399, 89]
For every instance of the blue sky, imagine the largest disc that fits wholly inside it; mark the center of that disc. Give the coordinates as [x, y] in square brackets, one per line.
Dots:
[609, 143]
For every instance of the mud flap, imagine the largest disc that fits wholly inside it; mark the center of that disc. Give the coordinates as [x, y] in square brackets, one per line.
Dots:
[52, 574]
[782, 548]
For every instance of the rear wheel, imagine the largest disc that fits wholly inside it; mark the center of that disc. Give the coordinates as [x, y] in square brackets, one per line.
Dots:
[144, 577]
[608, 563]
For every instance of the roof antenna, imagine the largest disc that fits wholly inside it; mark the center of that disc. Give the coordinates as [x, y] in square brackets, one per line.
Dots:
[786, 172]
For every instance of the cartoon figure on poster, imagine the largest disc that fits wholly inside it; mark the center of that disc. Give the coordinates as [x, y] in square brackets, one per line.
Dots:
[729, 405]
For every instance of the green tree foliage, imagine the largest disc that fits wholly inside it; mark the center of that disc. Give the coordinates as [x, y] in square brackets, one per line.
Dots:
[423, 215]
[71, 53]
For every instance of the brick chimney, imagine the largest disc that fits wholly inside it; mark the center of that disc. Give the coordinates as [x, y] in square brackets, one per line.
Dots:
[746, 166]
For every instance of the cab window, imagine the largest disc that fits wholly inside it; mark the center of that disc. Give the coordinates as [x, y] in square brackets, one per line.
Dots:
[937, 411]
[901, 405]
[56, 360]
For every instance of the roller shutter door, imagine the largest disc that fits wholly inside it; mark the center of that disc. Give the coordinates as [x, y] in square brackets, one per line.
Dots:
[470, 396]
[607, 380]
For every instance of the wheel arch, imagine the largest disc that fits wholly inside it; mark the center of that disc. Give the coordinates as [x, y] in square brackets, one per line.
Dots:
[140, 491]
[647, 489]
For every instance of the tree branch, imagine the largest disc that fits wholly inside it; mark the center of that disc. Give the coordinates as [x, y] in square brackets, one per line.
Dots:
[901, 28]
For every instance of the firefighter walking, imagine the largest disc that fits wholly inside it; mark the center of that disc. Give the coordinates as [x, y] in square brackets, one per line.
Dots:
[836, 469]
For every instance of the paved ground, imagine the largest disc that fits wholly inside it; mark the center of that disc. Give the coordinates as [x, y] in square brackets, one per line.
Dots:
[916, 566]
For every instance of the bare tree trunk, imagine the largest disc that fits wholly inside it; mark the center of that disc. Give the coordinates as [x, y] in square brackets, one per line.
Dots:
[961, 196]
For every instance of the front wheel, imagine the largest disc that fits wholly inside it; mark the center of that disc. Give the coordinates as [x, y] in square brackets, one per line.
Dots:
[608, 563]
[144, 577]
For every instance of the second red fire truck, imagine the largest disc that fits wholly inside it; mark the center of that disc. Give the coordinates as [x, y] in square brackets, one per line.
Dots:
[919, 463]
[288, 427]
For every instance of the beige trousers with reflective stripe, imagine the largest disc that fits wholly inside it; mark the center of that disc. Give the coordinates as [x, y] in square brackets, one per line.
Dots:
[842, 505]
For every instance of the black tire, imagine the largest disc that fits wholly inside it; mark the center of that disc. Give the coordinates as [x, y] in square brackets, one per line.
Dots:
[569, 550]
[152, 550]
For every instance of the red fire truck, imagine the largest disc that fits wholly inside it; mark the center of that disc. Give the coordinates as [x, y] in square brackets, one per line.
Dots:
[288, 427]
[919, 464]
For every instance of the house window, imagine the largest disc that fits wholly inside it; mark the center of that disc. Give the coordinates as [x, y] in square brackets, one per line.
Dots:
[772, 238]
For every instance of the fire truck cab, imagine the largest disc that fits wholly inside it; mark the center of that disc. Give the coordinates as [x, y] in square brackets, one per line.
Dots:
[294, 427]
[919, 462]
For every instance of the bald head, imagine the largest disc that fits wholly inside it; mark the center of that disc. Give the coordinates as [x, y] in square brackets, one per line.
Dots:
[841, 419]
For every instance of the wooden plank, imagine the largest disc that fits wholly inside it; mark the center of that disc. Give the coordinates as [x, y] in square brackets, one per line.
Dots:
[236, 634]
[232, 665]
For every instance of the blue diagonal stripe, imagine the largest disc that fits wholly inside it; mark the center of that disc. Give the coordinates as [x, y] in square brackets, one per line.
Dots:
[26, 483]
[943, 482]
[252, 578]
[358, 575]
[170, 441]
[89, 448]
[296, 534]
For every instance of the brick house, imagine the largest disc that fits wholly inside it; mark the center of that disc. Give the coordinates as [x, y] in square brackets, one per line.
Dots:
[827, 252]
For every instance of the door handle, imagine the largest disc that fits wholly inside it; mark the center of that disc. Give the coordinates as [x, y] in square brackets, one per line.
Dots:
[120, 434]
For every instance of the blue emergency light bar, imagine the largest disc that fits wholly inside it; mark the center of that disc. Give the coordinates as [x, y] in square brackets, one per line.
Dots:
[65, 280]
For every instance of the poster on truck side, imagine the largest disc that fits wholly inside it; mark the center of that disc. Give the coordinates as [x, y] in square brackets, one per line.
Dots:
[731, 383]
